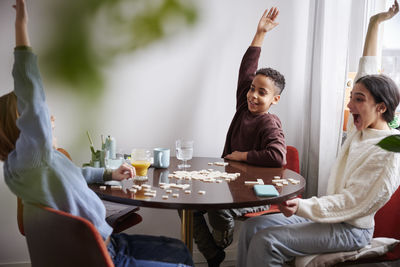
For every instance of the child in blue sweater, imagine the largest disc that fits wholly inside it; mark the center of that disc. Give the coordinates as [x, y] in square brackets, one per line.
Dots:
[39, 174]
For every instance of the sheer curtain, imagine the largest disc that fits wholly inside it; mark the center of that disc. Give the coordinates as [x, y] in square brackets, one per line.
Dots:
[339, 32]
[328, 75]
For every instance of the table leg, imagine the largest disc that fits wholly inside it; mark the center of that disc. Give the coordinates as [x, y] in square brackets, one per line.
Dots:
[187, 229]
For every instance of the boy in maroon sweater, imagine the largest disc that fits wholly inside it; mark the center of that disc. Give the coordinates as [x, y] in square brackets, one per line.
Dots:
[254, 136]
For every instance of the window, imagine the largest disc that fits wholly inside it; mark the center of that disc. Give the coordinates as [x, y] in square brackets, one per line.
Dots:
[388, 44]
[391, 48]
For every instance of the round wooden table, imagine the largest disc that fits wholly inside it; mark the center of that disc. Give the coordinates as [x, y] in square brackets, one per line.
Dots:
[233, 194]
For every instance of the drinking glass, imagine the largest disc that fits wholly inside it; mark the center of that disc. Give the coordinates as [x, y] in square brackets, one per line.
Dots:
[140, 159]
[184, 152]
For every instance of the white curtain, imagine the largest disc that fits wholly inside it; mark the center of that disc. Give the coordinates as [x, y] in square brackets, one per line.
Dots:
[328, 74]
[339, 32]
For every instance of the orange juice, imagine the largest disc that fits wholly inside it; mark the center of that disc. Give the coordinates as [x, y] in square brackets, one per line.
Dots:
[141, 167]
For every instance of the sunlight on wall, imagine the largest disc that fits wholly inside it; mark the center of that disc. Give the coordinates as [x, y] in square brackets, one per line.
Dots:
[87, 35]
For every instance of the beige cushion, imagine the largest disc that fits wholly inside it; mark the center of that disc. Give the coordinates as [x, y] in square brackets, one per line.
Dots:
[379, 246]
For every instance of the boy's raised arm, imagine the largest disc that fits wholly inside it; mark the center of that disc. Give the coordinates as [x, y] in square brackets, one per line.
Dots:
[249, 62]
[21, 24]
[266, 23]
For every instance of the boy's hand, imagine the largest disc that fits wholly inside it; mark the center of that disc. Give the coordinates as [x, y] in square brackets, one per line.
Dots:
[393, 10]
[238, 156]
[267, 21]
[124, 171]
[289, 207]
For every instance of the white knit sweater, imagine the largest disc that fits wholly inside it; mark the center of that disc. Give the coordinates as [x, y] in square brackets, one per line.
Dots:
[362, 179]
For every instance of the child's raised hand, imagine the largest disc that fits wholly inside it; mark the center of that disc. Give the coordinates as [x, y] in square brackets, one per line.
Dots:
[393, 10]
[21, 14]
[267, 21]
[21, 22]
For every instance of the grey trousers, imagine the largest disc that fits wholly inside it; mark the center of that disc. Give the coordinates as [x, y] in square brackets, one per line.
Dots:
[271, 240]
[222, 223]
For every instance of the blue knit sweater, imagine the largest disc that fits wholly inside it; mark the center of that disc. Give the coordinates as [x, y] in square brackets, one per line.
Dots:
[36, 172]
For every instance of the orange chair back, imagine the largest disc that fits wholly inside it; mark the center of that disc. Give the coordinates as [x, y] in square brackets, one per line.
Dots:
[62, 150]
[57, 238]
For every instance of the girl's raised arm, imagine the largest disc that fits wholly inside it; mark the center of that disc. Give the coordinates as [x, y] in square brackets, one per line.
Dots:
[21, 24]
[371, 39]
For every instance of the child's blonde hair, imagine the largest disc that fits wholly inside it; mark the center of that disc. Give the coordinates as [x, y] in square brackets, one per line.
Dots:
[9, 131]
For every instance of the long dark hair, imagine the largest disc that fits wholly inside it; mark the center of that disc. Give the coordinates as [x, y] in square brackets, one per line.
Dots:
[384, 90]
[9, 131]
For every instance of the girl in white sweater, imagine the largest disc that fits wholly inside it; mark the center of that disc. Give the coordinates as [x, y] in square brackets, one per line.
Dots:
[362, 179]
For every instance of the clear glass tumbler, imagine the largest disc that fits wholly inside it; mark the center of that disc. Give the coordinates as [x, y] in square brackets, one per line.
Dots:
[184, 152]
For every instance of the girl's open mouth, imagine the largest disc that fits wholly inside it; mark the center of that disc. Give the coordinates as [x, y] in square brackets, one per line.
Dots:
[357, 119]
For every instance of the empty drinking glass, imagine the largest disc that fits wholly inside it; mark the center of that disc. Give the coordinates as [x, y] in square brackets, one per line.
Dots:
[184, 152]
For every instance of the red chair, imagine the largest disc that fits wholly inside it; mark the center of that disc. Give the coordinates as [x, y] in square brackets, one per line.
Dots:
[57, 238]
[292, 163]
[20, 219]
[387, 222]
[119, 224]
[292, 159]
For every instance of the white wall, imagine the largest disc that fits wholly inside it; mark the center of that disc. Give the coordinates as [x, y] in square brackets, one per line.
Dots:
[12, 244]
[180, 87]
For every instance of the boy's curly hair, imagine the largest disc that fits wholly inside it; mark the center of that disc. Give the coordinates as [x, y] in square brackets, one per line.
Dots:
[279, 79]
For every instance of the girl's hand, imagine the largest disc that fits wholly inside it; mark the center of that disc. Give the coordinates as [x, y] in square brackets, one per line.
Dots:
[21, 22]
[124, 171]
[393, 10]
[21, 13]
[289, 207]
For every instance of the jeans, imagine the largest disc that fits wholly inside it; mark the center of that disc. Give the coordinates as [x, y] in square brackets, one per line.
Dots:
[223, 223]
[147, 251]
[274, 239]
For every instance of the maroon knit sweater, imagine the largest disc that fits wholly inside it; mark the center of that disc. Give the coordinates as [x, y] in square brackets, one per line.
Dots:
[261, 135]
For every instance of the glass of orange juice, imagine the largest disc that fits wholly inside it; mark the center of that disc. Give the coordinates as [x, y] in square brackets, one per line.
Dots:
[140, 159]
